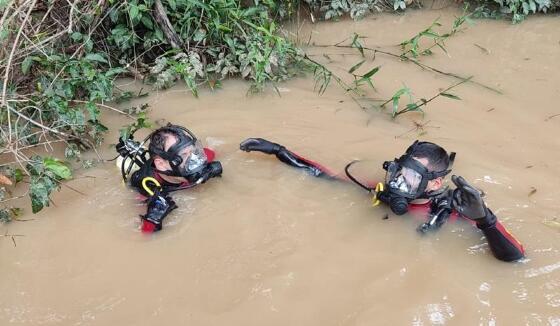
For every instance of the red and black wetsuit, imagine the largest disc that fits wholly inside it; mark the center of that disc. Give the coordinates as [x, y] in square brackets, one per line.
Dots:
[148, 170]
[502, 244]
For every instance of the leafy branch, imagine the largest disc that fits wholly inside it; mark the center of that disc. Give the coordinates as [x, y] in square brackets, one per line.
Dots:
[323, 75]
[423, 66]
[412, 45]
[417, 105]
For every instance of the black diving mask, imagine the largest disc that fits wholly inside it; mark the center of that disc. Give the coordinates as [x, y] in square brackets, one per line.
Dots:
[186, 157]
[406, 180]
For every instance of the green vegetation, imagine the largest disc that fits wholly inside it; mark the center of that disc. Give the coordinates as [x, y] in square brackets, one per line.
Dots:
[516, 10]
[62, 58]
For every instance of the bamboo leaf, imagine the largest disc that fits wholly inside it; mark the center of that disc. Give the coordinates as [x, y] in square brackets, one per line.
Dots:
[356, 66]
[371, 72]
[449, 95]
[412, 107]
[442, 47]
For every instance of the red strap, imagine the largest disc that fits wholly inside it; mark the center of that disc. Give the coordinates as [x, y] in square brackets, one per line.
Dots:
[210, 154]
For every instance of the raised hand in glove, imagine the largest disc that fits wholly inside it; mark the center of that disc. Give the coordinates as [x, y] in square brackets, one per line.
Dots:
[467, 200]
[159, 205]
[260, 145]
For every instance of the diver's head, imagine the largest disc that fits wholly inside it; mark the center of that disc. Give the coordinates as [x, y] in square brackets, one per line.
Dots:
[176, 152]
[416, 176]
[434, 158]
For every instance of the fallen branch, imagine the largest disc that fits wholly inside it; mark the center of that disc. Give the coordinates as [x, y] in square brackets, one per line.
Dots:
[108, 107]
[57, 132]
[416, 62]
[12, 236]
[163, 21]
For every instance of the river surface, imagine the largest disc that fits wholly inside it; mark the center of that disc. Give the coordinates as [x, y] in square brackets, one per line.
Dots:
[269, 245]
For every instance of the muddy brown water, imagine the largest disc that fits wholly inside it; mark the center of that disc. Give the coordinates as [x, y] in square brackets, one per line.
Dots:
[269, 245]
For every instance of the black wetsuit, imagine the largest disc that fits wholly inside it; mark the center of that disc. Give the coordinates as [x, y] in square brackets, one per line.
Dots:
[502, 244]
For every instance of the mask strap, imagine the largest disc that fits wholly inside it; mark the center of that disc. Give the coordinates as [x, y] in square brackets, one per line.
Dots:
[434, 175]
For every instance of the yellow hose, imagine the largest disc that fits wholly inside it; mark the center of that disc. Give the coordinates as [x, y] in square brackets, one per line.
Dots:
[145, 184]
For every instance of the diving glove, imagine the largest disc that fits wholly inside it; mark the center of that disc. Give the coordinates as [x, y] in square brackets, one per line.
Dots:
[260, 145]
[467, 200]
[159, 205]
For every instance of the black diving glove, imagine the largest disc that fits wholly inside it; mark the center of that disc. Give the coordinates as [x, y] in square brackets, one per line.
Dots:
[467, 200]
[159, 205]
[260, 145]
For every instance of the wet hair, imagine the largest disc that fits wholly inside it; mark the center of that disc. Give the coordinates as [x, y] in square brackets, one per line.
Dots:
[438, 159]
[158, 138]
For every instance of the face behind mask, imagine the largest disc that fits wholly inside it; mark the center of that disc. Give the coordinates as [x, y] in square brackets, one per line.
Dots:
[186, 157]
[406, 180]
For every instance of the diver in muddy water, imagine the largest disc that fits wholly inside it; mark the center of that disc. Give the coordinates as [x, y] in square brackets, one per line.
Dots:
[414, 183]
[174, 160]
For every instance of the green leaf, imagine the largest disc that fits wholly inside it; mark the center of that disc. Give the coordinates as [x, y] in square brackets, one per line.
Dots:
[4, 3]
[442, 48]
[159, 35]
[395, 106]
[356, 66]
[370, 83]
[39, 191]
[5, 215]
[533, 6]
[16, 211]
[18, 175]
[449, 95]
[76, 36]
[199, 35]
[356, 44]
[412, 107]
[89, 45]
[4, 33]
[430, 34]
[26, 65]
[147, 22]
[371, 72]
[72, 151]
[133, 11]
[114, 71]
[93, 111]
[172, 4]
[96, 57]
[35, 165]
[57, 167]
[401, 92]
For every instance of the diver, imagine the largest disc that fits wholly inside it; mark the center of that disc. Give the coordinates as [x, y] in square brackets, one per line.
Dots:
[174, 160]
[414, 183]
